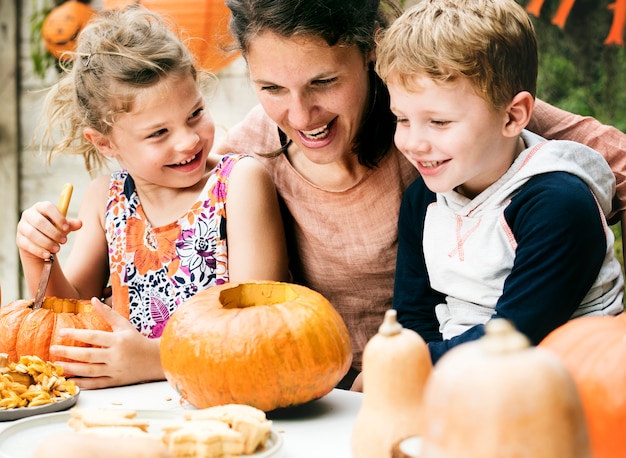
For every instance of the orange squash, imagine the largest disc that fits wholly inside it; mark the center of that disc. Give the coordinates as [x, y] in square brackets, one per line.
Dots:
[594, 350]
[28, 332]
[264, 344]
[499, 397]
[62, 25]
[396, 366]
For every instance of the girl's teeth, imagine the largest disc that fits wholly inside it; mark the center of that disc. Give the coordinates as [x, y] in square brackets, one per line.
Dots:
[430, 164]
[317, 134]
[187, 161]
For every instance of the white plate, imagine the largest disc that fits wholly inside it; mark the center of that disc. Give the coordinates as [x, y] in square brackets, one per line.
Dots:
[17, 440]
[21, 412]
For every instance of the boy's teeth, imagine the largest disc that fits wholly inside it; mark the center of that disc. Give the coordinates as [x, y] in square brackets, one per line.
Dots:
[316, 134]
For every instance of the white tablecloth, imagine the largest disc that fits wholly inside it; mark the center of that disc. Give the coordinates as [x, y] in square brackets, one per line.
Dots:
[319, 429]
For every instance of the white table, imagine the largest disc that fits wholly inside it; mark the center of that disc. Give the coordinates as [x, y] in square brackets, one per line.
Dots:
[319, 429]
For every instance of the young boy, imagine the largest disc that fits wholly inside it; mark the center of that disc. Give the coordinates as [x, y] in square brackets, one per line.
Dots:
[501, 223]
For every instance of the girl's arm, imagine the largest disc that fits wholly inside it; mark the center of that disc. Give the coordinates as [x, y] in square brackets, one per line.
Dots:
[43, 230]
[255, 234]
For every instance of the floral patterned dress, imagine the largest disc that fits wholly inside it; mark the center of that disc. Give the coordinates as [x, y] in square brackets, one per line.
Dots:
[154, 269]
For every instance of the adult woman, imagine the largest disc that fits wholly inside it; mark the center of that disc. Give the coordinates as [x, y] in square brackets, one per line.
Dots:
[325, 115]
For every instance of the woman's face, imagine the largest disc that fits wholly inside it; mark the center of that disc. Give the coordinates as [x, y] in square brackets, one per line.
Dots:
[317, 94]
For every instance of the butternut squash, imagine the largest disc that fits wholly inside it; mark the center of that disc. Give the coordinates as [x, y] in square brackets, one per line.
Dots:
[499, 397]
[396, 365]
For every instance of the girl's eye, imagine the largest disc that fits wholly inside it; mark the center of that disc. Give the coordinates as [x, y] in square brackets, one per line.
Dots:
[197, 113]
[158, 133]
[400, 120]
[439, 123]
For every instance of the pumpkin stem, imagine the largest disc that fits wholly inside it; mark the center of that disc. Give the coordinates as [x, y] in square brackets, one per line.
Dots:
[390, 326]
[501, 337]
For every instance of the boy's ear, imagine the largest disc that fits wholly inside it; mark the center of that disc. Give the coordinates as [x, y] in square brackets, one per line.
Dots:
[99, 140]
[518, 113]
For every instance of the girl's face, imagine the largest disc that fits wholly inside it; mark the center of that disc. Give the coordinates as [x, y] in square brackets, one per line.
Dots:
[317, 94]
[451, 135]
[166, 138]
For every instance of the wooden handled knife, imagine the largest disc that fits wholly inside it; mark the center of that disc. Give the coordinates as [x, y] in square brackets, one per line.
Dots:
[64, 203]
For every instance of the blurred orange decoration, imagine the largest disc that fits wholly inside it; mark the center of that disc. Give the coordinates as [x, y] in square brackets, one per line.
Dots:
[203, 22]
[616, 34]
[61, 26]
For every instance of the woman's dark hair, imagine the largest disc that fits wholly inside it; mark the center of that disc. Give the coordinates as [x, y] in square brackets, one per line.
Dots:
[338, 22]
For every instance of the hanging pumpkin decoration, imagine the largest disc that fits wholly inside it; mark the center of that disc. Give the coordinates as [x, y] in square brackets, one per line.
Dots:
[28, 332]
[616, 34]
[204, 23]
[265, 344]
[594, 350]
[62, 25]
[498, 396]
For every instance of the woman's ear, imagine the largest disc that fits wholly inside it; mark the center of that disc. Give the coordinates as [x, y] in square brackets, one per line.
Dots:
[518, 113]
[100, 141]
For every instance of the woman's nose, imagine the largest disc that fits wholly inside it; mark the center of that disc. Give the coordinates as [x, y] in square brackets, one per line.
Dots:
[300, 112]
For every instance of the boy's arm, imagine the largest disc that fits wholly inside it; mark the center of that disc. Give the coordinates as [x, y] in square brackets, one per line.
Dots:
[561, 247]
[413, 298]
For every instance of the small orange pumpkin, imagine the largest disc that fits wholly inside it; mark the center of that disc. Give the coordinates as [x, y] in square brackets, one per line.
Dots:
[62, 25]
[28, 332]
[593, 348]
[265, 344]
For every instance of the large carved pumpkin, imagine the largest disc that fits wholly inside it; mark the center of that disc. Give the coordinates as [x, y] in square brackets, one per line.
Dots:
[594, 350]
[24, 331]
[62, 26]
[265, 344]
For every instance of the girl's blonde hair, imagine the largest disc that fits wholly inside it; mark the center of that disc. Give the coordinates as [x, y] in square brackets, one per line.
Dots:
[490, 42]
[118, 53]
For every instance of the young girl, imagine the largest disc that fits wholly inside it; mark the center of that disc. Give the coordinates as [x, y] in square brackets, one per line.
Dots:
[161, 228]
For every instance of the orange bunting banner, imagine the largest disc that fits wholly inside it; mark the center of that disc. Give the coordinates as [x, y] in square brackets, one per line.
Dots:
[616, 34]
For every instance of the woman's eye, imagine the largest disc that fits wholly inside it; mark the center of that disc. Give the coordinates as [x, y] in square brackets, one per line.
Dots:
[270, 88]
[325, 82]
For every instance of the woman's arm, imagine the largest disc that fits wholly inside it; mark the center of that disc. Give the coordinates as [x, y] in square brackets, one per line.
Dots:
[553, 123]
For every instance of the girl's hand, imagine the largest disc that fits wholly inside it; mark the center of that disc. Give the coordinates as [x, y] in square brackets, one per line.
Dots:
[121, 357]
[42, 230]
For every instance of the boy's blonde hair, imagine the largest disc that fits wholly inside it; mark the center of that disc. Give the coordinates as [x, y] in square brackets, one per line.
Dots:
[118, 53]
[490, 42]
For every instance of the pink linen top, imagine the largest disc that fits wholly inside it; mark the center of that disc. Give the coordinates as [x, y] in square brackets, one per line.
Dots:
[346, 240]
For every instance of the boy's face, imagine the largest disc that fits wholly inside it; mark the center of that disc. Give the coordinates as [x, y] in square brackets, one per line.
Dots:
[451, 135]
